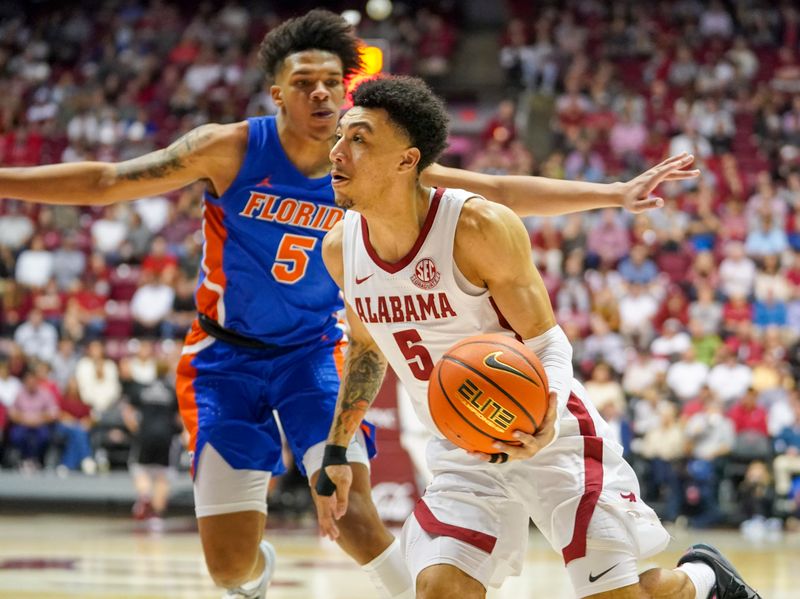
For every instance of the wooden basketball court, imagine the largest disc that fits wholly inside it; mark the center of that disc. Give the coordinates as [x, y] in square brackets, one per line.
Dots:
[67, 556]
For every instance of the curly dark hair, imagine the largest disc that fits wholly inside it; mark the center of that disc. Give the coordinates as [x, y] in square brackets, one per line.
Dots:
[413, 107]
[317, 30]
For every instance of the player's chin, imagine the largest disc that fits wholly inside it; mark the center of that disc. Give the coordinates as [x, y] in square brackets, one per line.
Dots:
[342, 200]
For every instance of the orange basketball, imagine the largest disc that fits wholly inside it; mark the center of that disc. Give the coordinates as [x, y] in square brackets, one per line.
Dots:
[485, 388]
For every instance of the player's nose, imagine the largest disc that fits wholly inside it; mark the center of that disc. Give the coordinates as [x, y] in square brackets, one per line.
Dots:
[337, 151]
[320, 92]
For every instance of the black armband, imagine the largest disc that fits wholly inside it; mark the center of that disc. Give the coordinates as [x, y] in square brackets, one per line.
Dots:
[335, 455]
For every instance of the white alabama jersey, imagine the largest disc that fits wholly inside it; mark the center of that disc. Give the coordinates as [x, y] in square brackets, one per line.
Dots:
[418, 307]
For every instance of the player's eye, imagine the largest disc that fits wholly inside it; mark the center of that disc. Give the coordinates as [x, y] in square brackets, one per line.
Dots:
[357, 138]
[333, 82]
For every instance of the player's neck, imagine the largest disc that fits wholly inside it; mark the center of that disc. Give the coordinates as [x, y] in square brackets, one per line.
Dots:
[309, 156]
[395, 225]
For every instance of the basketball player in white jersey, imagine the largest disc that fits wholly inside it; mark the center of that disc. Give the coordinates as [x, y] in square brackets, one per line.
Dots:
[420, 270]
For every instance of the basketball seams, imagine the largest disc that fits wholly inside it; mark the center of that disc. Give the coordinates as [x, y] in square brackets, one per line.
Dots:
[449, 358]
[513, 350]
[455, 409]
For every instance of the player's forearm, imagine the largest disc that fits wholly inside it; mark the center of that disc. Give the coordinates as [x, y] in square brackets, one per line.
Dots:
[364, 367]
[72, 183]
[529, 196]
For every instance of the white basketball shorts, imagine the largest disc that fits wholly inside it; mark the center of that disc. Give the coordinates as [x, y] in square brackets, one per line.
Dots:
[581, 494]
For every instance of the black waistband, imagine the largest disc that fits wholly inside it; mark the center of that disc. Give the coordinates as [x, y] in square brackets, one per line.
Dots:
[212, 327]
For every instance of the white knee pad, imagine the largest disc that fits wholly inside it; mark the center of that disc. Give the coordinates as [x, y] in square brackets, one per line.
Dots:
[222, 489]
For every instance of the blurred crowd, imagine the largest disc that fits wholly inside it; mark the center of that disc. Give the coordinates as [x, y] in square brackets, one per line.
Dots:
[685, 320]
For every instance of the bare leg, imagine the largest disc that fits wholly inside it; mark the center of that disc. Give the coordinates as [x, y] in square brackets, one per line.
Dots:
[230, 544]
[160, 492]
[657, 583]
[444, 581]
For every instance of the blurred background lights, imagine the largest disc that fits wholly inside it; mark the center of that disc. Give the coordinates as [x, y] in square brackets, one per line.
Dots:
[378, 10]
[352, 16]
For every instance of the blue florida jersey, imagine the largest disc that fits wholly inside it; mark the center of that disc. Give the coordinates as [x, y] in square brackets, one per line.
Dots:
[262, 273]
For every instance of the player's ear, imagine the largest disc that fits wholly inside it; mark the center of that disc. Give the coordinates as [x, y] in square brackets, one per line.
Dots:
[409, 160]
[277, 95]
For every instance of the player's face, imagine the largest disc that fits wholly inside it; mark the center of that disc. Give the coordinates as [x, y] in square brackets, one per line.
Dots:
[309, 89]
[369, 154]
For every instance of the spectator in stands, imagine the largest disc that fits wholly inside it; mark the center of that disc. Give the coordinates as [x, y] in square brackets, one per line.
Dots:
[608, 240]
[34, 265]
[68, 261]
[159, 258]
[36, 337]
[711, 438]
[706, 310]
[31, 415]
[729, 379]
[74, 424]
[756, 496]
[766, 200]
[663, 446]
[647, 408]
[735, 313]
[636, 311]
[744, 344]
[619, 425]
[672, 342]
[705, 344]
[143, 364]
[151, 415]
[603, 389]
[767, 375]
[638, 267]
[767, 238]
[501, 127]
[787, 451]
[641, 372]
[604, 345]
[10, 386]
[687, 376]
[737, 272]
[152, 302]
[769, 312]
[583, 163]
[64, 363]
[771, 281]
[691, 141]
[16, 227]
[98, 379]
[674, 306]
[749, 417]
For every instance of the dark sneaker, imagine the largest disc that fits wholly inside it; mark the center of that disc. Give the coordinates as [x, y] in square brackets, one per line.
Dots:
[730, 584]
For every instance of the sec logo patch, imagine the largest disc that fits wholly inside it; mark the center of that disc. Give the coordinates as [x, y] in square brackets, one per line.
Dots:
[425, 274]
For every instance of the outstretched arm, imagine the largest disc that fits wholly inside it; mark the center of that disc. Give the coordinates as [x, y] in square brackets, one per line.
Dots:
[364, 368]
[540, 196]
[210, 152]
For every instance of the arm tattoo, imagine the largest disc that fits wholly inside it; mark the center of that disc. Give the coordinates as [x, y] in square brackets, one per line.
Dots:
[163, 162]
[363, 374]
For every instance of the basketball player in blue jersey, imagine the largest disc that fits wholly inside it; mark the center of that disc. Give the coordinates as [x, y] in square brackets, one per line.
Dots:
[400, 251]
[266, 338]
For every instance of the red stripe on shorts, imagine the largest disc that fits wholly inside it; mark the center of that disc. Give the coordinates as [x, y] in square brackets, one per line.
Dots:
[593, 479]
[432, 525]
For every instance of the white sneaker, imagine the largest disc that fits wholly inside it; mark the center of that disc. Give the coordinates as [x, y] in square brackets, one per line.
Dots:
[270, 557]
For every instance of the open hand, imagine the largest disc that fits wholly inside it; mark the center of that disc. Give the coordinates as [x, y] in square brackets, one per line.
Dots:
[330, 509]
[636, 192]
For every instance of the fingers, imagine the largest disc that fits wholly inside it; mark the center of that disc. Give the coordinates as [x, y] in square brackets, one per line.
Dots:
[340, 508]
[680, 175]
[325, 517]
[552, 411]
[648, 203]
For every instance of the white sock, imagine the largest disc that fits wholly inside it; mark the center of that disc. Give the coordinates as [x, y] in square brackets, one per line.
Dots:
[702, 577]
[250, 588]
[389, 573]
